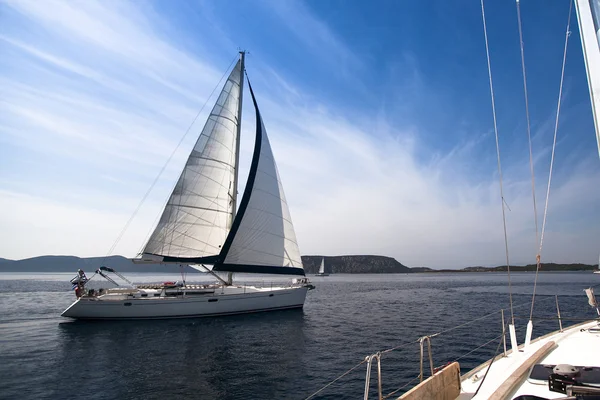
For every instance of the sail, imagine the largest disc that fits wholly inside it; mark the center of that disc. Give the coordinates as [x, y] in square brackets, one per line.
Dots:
[262, 238]
[588, 14]
[197, 217]
[322, 267]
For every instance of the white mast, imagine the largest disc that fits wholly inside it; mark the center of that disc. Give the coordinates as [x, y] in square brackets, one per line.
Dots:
[238, 134]
[588, 15]
[237, 150]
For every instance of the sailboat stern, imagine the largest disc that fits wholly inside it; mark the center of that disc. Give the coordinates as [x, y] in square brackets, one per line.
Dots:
[72, 310]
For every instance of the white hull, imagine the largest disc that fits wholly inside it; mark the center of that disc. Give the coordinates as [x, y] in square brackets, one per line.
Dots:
[224, 301]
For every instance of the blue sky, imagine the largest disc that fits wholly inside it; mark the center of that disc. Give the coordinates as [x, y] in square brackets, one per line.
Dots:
[379, 116]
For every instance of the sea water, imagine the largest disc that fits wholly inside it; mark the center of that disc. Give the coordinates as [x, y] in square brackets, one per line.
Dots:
[273, 355]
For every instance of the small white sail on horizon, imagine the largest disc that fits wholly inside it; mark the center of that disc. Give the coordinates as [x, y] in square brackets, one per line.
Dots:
[322, 268]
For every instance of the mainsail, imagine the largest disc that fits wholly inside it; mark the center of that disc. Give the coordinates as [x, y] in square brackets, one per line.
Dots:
[262, 238]
[588, 13]
[199, 213]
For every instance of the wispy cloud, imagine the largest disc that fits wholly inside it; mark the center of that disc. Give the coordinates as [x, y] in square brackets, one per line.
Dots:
[97, 94]
[314, 34]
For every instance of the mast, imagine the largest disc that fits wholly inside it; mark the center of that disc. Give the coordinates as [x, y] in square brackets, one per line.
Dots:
[237, 150]
[589, 30]
[238, 134]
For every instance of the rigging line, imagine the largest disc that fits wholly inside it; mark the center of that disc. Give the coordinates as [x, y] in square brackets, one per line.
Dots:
[562, 76]
[155, 223]
[495, 354]
[487, 51]
[535, 214]
[403, 345]
[401, 387]
[477, 348]
[457, 327]
[465, 323]
[336, 379]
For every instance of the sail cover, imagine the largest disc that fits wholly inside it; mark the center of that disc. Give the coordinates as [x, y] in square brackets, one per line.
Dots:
[262, 238]
[198, 215]
[588, 13]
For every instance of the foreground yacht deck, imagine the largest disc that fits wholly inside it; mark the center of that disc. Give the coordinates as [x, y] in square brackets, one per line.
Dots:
[509, 377]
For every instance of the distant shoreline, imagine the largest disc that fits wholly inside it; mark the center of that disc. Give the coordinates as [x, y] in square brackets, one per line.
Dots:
[549, 267]
[347, 264]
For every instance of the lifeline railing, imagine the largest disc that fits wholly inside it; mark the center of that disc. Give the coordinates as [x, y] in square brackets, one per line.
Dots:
[421, 342]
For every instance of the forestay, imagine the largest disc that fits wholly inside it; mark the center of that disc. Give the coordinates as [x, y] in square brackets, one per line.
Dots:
[199, 213]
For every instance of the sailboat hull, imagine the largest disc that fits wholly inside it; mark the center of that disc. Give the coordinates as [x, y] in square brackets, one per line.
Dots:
[224, 301]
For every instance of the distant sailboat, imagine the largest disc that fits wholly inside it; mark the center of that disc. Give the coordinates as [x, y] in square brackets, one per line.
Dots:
[200, 225]
[322, 268]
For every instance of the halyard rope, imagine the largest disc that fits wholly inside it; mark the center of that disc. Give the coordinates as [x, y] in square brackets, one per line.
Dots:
[528, 122]
[487, 51]
[562, 75]
[535, 213]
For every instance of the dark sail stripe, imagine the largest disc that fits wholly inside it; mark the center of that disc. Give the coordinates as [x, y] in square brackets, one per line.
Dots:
[259, 269]
[189, 260]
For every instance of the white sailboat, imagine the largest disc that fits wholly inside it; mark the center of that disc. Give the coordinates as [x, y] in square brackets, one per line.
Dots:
[200, 226]
[322, 268]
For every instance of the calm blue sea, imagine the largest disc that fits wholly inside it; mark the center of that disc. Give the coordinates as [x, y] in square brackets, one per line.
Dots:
[277, 355]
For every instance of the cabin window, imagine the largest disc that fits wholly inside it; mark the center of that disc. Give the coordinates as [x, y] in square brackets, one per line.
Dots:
[271, 295]
[144, 294]
[211, 300]
[156, 294]
[126, 304]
